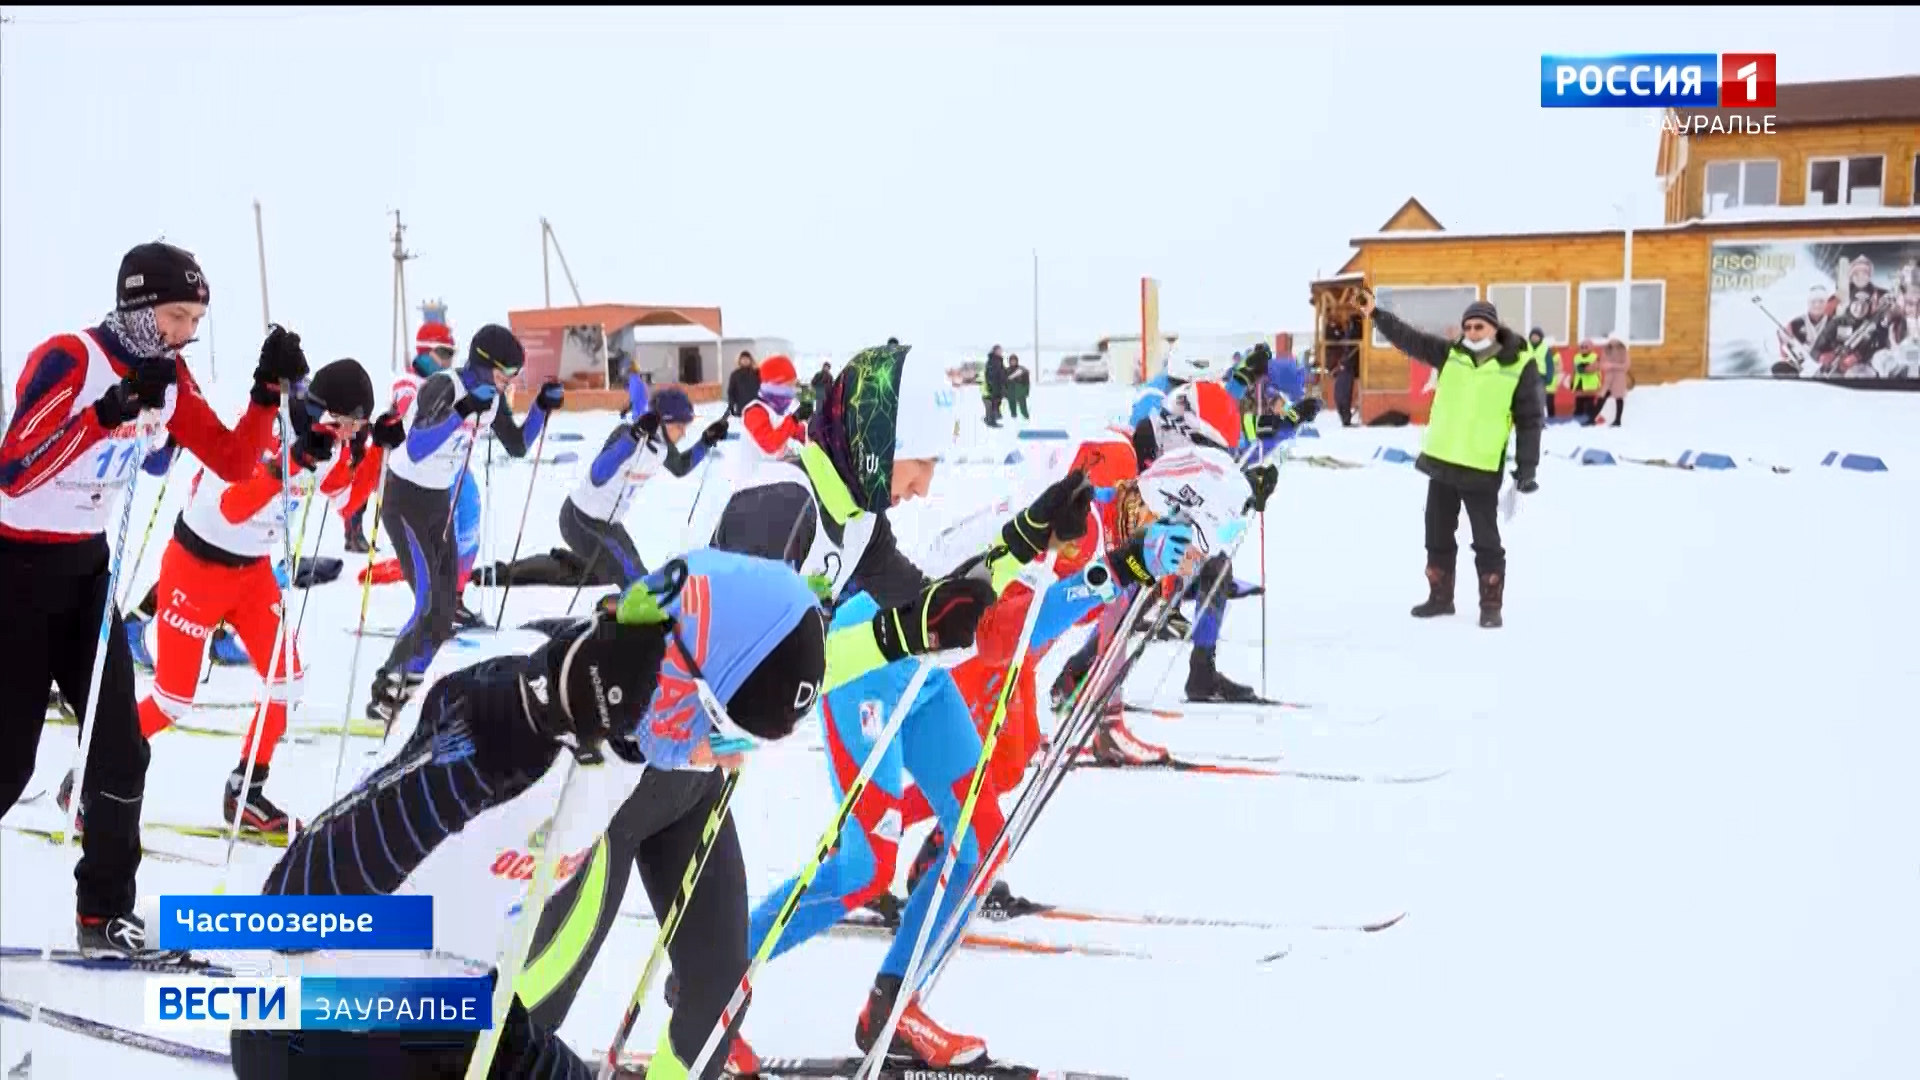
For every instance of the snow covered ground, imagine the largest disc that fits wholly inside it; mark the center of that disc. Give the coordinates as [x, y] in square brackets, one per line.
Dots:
[1677, 838]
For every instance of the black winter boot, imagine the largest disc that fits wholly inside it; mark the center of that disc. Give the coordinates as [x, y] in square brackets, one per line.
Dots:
[1439, 593]
[1493, 588]
[257, 812]
[1205, 683]
[356, 534]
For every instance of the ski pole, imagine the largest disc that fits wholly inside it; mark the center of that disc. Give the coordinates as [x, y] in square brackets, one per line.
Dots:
[524, 923]
[1107, 672]
[533, 482]
[822, 849]
[146, 534]
[700, 489]
[956, 837]
[360, 629]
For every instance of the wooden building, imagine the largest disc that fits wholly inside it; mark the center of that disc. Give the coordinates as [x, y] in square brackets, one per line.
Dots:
[583, 346]
[1764, 209]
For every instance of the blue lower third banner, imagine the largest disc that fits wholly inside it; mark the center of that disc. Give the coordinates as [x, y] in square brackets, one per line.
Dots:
[319, 1003]
[403, 923]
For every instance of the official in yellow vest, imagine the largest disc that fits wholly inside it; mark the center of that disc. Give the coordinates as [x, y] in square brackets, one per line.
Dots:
[1540, 355]
[1487, 390]
[1586, 383]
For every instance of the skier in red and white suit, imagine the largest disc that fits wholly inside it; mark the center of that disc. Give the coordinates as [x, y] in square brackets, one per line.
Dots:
[774, 419]
[219, 568]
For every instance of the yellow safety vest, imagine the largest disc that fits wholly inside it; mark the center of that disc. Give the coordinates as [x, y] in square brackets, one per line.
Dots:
[1473, 411]
[1541, 356]
[1586, 374]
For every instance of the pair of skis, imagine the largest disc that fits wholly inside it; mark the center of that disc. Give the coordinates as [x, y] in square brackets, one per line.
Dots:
[634, 1067]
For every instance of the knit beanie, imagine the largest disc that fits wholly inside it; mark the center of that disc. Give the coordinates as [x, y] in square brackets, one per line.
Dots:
[157, 273]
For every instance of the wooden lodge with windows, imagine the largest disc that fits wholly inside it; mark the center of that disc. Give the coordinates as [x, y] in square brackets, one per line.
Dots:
[1747, 216]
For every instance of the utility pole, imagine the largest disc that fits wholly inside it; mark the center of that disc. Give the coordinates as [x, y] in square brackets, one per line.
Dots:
[260, 245]
[547, 237]
[401, 256]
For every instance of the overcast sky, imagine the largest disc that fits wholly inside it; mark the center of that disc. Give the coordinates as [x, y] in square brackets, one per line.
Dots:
[828, 176]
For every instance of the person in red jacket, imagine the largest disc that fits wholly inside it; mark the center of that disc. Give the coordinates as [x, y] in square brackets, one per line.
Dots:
[89, 405]
[776, 418]
[219, 568]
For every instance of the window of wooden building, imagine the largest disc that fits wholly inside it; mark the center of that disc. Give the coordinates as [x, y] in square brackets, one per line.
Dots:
[1523, 307]
[1850, 181]
[1432, 308]
[1646, 321]
[1733, 184]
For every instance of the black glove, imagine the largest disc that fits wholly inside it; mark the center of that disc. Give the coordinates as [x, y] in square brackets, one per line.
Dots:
[388, 431]
[805, 412]
[552, 396]
[1308, 409]
[1262, 479]
[942, 617]
[1267, 425]
[1253, 366]
[593, 680]
[1059, 513]
[714, 433]
[1527, 484]
[309, 450]
[645, 426]
[281, 361]
[477, 400]
[143, 388]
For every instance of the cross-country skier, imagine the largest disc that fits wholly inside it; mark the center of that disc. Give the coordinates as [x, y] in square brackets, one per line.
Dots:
[873, 442]
[218, 568]
[1276, 407]
[484, 757]
[433, 352]
[592, 517]
[776, 418]
[420, 500]
[88, 405]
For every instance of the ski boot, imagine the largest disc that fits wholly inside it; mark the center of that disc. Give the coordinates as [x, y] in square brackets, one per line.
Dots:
[119, 937]
[888, 907]
[389, 697]
[257, 813]
[226, 649]
[741, 1060]
[1114, 744]
[1493, 589]
[1000, 903]
[1179, 628]
[1439, 593]
[136, 628]
[357, 536]
[916, 1037]
[464, 618]
[1205, 683]
[64, 797]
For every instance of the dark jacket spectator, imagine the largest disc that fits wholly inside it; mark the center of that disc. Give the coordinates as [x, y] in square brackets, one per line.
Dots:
[993, 385]
[822, 381]
[1019, 381]
[743, 386]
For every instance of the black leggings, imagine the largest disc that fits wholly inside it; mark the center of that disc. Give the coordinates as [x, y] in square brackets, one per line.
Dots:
[527, 1051]
[419, 521]
[657, 829]
[1444, 502]
[605, 547]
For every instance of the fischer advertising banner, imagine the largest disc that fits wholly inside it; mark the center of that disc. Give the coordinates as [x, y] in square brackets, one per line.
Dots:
[1840, 309]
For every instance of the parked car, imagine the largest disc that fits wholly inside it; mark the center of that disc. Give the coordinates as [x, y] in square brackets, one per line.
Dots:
[1090, 368]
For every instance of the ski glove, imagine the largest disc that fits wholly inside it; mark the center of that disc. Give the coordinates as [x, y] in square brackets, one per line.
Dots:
[1527, 484]
[477, 400]
[552, 396]
[1308, 409]
[1253, 366]
[281, 361]
[309, 450]
[1060, 513]
[388, 431]
[142, 389]
[805, 412]
[594, 679]
[944, 616]
[645, 426]
[1268, 425]
[714, 433]
[1159, 550]
[1262, 479]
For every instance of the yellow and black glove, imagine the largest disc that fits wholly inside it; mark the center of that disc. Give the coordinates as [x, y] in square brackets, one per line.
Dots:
[1060, 513]
[943, 616]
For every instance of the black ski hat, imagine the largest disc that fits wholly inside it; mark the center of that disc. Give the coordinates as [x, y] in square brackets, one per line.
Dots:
[342, 388]
[157, 273]
[782, 689]
[496, 349]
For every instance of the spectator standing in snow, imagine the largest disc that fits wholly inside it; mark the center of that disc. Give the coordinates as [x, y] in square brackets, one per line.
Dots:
[1485, 391]
[822, 381]
[1615, 378]
[1343, 377]
[993, 385]
[1019, 385]
[743, 386]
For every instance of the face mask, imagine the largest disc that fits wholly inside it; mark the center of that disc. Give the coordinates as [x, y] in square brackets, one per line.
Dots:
[1481, 346]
